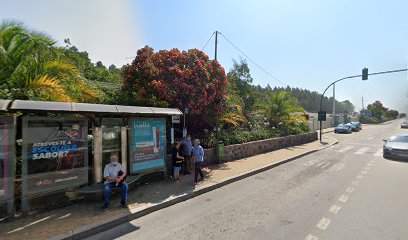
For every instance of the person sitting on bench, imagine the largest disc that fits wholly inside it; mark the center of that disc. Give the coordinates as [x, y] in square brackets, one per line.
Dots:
[114, 177]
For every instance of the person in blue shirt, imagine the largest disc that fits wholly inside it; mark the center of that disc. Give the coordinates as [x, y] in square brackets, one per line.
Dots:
[114, 175]
[198, 156]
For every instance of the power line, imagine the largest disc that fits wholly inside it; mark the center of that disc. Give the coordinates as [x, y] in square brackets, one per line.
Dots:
[207, 41]
[259, 66]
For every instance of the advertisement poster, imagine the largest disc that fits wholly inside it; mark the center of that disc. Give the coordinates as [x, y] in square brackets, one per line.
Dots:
[148, 144]
[6, 157]
[54, 154]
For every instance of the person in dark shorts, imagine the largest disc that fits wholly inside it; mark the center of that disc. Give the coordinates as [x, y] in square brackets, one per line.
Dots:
[177, 160]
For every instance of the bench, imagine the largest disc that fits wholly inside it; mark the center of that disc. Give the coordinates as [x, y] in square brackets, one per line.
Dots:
[95, 191]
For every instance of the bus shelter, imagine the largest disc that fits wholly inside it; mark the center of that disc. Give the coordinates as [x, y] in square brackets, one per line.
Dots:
[66, 145]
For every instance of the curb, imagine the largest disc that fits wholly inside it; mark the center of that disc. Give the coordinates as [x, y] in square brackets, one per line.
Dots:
[94, 228]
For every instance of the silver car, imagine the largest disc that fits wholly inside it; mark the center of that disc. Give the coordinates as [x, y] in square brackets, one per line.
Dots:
[404, 124]
[396, 147]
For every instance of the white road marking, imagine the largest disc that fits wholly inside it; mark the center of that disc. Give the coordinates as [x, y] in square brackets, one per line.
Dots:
[334, 209]
[355, 182]
[318, 165]
[310, 163]
[372, 161]
[370, 138]
[360, 177]
[378, 153]
[327, 164]
[337, 166]
[362, 150]
[343, 198]
[369, 164]
[311, 237]
[346, 149]
[366, 168]
[363, 172]
[323, 223]
[350, 189]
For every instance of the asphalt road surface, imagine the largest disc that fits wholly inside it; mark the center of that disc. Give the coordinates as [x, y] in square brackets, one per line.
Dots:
[347, 191]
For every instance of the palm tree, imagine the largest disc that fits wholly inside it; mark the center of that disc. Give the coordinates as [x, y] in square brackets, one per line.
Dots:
[31, 68]
[280, 108]
[234, 116]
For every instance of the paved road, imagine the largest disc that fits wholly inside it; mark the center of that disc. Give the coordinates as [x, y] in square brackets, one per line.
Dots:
[347, 191]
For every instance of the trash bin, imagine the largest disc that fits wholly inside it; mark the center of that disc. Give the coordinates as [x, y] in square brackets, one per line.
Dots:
[219, 151]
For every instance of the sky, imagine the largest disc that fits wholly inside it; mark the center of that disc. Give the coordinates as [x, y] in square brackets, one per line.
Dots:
[305, 44]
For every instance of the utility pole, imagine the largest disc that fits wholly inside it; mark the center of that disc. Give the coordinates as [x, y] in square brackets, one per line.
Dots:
[362, 102]
[216, 43]
[334, 100]
[334, 105]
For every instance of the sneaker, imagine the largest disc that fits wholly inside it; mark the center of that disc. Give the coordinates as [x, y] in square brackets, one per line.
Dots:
[104, 207]
[123, 204]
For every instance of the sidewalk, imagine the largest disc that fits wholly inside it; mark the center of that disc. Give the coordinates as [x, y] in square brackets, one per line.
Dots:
[326, 130]
[81, 219]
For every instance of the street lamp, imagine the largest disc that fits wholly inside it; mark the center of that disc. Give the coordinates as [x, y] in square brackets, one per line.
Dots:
[364, 76]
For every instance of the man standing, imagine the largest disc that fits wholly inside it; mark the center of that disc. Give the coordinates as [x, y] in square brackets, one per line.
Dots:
[187, 150]
[198, 155]
[114, 177]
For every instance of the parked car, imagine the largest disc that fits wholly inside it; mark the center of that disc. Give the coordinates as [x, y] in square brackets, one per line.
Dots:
[396, 147]
[354, 126]
[404, 124]
[343, 128]
[359, 125]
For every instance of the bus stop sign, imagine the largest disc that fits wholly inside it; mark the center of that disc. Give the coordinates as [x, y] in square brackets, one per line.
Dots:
[321, 116]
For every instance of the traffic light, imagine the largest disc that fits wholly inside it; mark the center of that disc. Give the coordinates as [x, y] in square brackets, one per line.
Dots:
[365, 74]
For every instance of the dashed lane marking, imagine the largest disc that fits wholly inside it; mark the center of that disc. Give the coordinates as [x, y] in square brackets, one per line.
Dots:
[350, 189]
[310, 163]
[370, 138]
[323, 223]
[318, 165]
[366, 168]
[334, 209]
[355, 182]
[363, 172]
[311, 237]
[362, 150]
[360, 177]
[325, 165]
[369, 164]
[343, 198]
[337, 166]
[346, 149]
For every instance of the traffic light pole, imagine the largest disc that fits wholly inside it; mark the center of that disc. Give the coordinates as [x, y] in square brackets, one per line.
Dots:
[365, 74]
[321, 99]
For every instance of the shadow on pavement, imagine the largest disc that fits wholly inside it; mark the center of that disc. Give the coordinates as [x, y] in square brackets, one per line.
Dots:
[119, 232]
[396, 159]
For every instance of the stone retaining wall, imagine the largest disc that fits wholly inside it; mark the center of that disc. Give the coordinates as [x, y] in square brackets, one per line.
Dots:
[239, 151]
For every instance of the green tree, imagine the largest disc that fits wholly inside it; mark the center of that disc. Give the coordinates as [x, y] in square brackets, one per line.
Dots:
[240, 80]
[279, 109]
[30, 68]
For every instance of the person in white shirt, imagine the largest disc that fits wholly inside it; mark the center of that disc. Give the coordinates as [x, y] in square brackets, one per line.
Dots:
[114, 177]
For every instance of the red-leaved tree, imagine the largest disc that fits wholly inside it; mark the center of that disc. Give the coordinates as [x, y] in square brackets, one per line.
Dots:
[177, 79]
